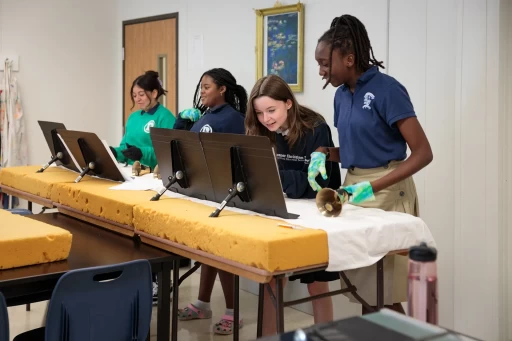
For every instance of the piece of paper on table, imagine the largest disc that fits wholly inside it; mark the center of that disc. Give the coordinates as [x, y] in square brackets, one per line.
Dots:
[140, 183]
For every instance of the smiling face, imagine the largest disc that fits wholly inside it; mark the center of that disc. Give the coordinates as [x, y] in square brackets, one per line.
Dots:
[342, 67]
[271, 113]
[211, 94]
[144, 99]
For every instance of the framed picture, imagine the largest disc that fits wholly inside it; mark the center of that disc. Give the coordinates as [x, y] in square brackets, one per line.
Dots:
[280, 43]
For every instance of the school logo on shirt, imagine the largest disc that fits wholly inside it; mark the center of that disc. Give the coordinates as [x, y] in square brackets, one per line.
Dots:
[206, 129]
[290, 157]
[368, 97]
[148, 126]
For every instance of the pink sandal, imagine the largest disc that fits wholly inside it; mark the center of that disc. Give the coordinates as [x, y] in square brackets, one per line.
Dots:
[226, 324]
[192, 313]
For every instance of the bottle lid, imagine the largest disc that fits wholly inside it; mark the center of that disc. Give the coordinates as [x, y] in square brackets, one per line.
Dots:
[423, 253]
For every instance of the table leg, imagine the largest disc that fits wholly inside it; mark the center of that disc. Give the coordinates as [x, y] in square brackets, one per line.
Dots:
[175, 298]
[164, 304]
[29, 206]
[261, 300]
[279, 305]
[380, 284]
[236, 309]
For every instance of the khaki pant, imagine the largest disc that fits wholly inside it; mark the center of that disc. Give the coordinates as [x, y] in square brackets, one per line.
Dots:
[401, 197]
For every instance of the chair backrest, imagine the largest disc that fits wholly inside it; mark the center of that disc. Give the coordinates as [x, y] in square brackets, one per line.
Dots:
[20, 211]
[4, 320]
[102, 303]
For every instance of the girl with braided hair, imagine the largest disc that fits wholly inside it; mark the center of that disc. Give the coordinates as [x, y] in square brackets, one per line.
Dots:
[376, 122]
[219, 105]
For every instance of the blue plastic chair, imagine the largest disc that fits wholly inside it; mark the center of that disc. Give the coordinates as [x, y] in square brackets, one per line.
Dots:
[101, 303]
[4, 320]
[20, 211]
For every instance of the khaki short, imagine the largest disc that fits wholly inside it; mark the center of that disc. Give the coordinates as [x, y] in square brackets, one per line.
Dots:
[401, 197]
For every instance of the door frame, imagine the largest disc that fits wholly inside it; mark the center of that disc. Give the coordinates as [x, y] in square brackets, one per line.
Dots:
[145, 20]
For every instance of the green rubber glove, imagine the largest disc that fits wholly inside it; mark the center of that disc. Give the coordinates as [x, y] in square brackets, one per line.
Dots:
[316, 166]
[191, 114]
[360, 192]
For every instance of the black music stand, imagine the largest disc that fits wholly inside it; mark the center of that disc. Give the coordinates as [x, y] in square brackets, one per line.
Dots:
[181, 163]
[244, 173]
[91, 154]
[60, 156]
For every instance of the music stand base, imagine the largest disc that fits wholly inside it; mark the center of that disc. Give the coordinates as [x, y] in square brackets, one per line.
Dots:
[157, 196]
[233, 192]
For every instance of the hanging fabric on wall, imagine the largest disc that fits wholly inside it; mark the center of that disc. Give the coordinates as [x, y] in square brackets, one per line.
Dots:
[12, 126]
[13, 141]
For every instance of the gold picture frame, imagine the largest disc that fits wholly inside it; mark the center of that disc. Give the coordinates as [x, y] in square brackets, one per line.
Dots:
[279, 46]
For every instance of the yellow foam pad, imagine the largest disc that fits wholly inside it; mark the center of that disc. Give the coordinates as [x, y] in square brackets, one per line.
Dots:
[93, 196]
[24, 241]
[250, 240]
[27, 180]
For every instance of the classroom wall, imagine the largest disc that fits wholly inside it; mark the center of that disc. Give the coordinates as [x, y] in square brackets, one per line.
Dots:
[446, 52]
[67, 71]
[506, 166]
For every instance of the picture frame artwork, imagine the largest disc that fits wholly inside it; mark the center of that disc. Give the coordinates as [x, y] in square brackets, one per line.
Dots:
[280, 43]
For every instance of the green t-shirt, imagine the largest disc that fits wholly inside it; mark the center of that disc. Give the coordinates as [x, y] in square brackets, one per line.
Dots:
[137, 133]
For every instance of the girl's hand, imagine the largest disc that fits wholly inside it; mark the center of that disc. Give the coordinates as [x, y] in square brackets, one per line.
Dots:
[316, 166]
[191, 114]
[360, 192]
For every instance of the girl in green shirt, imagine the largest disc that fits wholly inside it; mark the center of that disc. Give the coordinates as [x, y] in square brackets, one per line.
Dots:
[136, 144]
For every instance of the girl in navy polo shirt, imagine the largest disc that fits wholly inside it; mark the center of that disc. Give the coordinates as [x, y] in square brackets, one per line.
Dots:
[376, 121]
[296, 132]
[219, 107]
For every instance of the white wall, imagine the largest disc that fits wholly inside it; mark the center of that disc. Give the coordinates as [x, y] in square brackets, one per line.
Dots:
[446, 52]
[67, 71]
[506, 162]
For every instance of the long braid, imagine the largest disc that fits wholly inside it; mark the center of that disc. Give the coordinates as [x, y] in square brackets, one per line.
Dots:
[349, 35]
[334, 26]
[197, 98]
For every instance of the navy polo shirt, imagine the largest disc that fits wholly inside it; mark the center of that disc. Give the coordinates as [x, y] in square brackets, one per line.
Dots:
[368, 135]
[151, 111]
[221, 119]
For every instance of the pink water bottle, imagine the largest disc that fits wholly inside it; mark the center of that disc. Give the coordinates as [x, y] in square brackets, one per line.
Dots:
[422, 285]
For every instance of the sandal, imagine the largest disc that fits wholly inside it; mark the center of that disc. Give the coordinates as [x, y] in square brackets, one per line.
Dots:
[192, 313]
[226, 324]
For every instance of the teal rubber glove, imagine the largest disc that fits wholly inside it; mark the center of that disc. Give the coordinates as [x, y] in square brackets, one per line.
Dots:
[360, 192]
[316, 166]
[191, 114]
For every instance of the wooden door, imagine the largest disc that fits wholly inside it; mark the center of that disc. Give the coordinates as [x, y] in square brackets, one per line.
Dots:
[151, 44]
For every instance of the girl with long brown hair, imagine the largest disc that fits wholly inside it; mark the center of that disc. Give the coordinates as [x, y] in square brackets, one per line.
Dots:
[296, 132]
